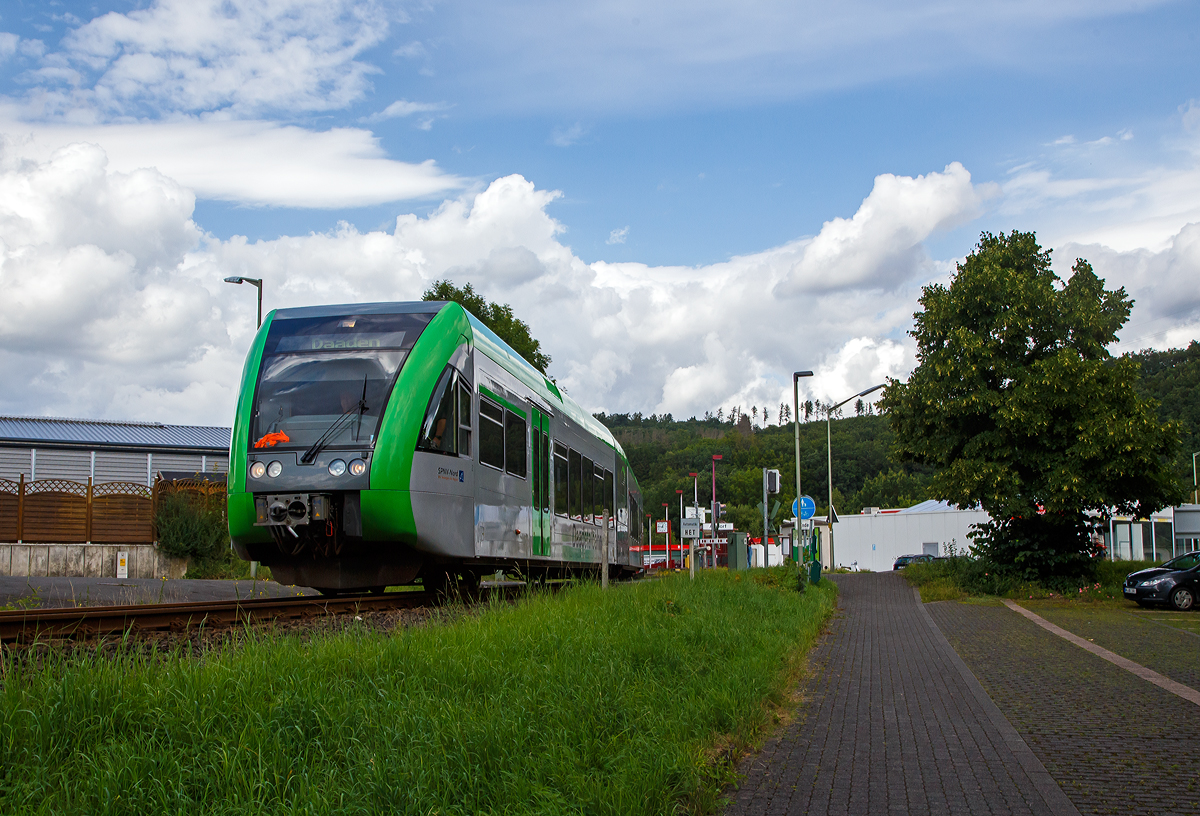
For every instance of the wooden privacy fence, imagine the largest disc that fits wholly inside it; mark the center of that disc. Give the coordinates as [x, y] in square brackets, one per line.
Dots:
[61, 511]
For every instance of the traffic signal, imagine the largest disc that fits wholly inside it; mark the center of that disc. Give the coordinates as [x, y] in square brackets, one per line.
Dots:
[774, 482]
[721, 509]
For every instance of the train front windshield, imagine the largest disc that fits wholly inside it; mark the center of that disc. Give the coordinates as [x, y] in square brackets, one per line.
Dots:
[320, 372]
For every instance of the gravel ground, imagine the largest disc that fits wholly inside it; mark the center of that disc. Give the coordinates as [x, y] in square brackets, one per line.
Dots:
[198, 642]
[1115, 743]
[34, 593]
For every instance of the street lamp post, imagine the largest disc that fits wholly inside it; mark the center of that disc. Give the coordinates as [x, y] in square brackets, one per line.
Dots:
[796, 407]
[256, 283]
[695, 513]
[716, 457]
[650, 535]
[680, 492]
[829, 453]
[667, 536]
[1195, 490]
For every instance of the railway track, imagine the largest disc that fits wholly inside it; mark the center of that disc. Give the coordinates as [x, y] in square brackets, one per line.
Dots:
[28, 625]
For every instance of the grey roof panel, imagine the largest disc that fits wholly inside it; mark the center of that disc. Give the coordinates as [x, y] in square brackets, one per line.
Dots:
[52, 430]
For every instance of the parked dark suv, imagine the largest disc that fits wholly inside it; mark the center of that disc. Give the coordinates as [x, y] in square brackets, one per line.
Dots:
[1175, 583]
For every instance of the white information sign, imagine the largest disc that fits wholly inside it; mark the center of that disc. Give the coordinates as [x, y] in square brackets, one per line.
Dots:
[689, 528]
[660, 526]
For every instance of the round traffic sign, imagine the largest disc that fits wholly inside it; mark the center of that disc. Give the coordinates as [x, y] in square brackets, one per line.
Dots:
[807, 508]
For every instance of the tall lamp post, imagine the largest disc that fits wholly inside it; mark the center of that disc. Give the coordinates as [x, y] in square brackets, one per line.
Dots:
[716, 458]
[796, 407]
[256, 283]
[667, 536]
[829, 453]
[650, 534]
[695, 508]
[1195, 490]
[680, 492]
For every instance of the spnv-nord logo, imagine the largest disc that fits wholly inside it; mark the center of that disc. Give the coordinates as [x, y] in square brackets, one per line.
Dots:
[448, 473]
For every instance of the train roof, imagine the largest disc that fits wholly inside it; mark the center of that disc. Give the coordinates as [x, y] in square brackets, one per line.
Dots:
[503, 354]
[486, 341]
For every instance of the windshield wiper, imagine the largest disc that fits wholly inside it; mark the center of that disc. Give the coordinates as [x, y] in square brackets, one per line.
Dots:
[362, 409]
[333, 430]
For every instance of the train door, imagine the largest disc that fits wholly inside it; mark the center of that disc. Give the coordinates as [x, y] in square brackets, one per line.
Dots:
[542, 516]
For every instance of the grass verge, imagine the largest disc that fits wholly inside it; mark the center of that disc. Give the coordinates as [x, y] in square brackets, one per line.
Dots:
[952, 579]
[586, 702]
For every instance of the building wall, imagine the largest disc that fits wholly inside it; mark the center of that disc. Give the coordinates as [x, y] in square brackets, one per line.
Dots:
[101, 465]
[87, 561]
[876, 541]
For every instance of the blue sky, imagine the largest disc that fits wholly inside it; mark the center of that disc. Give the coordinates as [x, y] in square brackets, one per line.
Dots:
[703, 156]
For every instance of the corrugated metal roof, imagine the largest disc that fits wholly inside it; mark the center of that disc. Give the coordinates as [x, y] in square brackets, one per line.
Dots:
[931, 506]
[102, 433]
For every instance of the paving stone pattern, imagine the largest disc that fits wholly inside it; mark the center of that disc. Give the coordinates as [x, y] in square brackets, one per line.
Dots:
[1115, 743]
[1136, 635]
[891, 723]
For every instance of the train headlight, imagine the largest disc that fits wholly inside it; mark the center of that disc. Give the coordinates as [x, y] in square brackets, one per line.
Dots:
[357, 467]
[275, 468]
[258, 470]
[337, 467]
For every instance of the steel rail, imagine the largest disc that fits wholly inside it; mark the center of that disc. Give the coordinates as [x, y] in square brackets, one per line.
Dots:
[26, 625]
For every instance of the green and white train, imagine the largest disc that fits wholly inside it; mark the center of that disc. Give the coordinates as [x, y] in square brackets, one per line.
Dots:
[379, 443]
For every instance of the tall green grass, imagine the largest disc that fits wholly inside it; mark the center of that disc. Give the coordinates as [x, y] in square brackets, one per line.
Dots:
[586, 702]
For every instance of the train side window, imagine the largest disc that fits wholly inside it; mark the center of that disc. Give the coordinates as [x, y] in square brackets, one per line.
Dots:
[464, 420]
[608, 497]
[560, 479]
[576, 505]
[516, 447]
[635, 519]
[622, 496]
[491, 433]
[598, 494]
[588, 480]
[438, 429]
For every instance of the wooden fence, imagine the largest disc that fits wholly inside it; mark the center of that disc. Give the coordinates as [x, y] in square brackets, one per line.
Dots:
[60, 511]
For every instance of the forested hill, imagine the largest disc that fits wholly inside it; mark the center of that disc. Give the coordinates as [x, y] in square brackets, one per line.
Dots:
[662, 451]
[1173, 379]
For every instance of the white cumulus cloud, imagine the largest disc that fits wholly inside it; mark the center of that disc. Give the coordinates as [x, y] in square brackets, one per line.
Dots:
[248, 161]
[212, 55]
[115, 305]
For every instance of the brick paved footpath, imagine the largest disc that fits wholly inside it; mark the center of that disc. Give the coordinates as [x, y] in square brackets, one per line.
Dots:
[893, 722]
[1116, 743]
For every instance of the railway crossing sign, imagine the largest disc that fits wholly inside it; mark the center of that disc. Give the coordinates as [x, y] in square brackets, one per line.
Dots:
[807, 509]
[689, 528]
[660, 527]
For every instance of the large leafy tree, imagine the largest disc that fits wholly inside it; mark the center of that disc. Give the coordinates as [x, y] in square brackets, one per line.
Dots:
[1020, 408]
[497, 317]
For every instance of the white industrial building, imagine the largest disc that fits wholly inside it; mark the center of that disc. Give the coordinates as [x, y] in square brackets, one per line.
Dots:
[874, 539]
